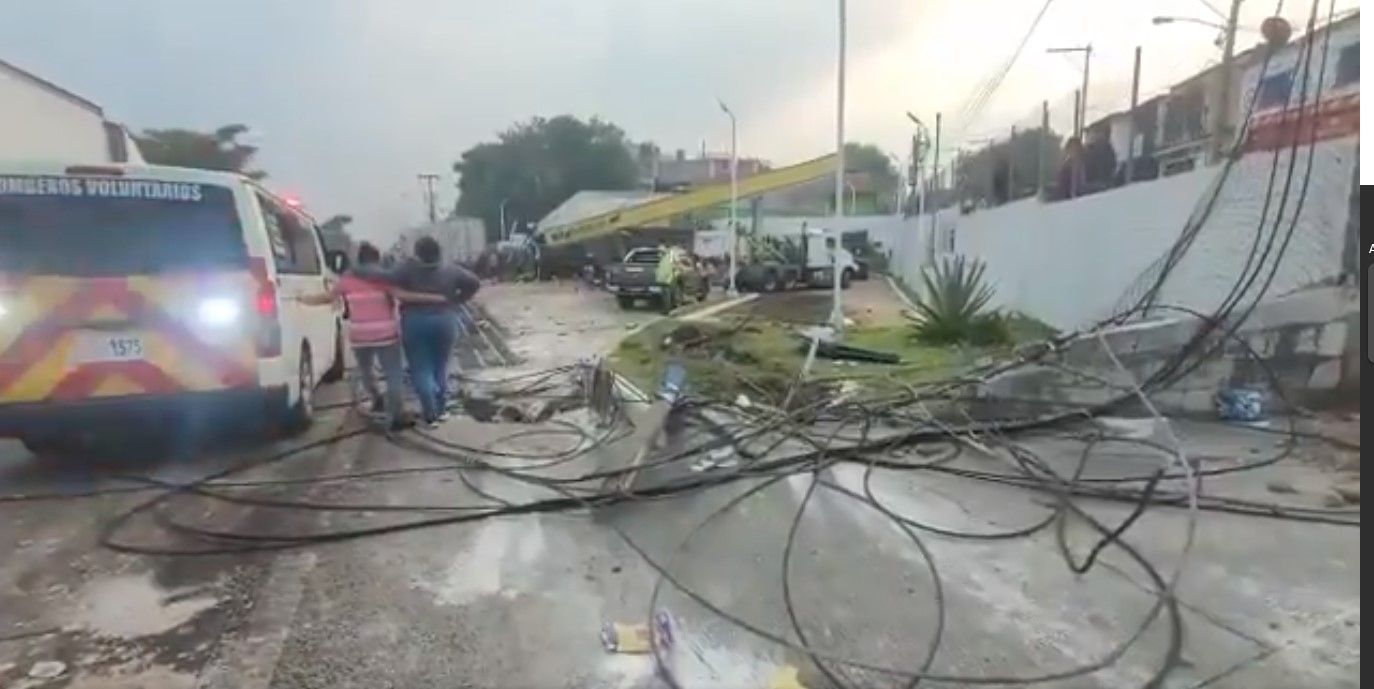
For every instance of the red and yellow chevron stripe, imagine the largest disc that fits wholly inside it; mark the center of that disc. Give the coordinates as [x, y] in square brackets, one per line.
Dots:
[46, 315]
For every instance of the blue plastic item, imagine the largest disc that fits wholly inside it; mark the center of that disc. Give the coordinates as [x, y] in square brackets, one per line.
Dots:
[673, 379]
[1241, 405]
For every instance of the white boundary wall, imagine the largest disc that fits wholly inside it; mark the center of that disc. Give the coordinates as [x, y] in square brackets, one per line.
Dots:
[1072, 263]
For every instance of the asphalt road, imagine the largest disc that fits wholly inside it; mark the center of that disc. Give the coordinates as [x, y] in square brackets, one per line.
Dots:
[520, 601]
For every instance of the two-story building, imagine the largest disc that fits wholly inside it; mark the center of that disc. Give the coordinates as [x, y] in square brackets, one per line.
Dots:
[1327, 108]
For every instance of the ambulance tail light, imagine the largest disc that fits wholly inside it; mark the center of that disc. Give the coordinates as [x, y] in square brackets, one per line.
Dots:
[268, 339]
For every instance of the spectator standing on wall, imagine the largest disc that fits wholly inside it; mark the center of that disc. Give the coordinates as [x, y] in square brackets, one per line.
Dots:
[1001, 193]
[1069, 183]
[1099, 161]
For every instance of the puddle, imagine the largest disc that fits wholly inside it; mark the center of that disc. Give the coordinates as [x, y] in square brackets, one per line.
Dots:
[134, 606]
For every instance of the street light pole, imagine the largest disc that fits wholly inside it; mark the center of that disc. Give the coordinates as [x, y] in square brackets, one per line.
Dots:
[837, 309]
[922, 138]
[1221, 113]
[732, 290]
[427, 186]
[504, 233]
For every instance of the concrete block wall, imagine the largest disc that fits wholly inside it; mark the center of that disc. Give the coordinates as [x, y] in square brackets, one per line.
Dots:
[1305, 341]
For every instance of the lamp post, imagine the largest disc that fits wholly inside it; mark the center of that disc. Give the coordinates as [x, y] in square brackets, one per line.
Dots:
[505, 235]
[837, 309]
[898, 195]
[1221, 112]
[732, 290]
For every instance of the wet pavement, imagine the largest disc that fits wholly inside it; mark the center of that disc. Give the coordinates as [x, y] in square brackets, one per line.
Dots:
[519, 601]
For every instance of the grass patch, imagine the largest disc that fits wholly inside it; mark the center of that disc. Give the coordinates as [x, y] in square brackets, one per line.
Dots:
[762, 359]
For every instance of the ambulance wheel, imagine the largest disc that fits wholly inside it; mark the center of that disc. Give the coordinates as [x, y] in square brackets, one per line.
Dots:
[336, 372]
[301, 414]
[49, 446]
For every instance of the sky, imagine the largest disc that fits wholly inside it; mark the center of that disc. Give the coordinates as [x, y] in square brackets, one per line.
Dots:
[350, 99]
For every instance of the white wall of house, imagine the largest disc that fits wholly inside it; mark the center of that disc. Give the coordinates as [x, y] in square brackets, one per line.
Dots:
[39, 123]
[1072, 263]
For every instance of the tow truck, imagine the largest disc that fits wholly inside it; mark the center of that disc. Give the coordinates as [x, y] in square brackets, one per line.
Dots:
[805, 261]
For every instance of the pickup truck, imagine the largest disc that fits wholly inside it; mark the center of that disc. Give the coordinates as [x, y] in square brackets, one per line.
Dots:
[636, 278]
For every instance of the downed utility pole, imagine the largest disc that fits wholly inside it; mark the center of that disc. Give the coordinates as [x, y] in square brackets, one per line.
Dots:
[650, 427]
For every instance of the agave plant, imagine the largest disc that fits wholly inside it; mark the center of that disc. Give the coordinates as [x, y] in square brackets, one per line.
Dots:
[953, 308]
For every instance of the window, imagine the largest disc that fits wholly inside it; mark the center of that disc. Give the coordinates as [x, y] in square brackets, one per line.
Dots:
[293, 239]
[276, 235]
[117, 227]
[305, 243]
[1275, 90]
[1348, 65]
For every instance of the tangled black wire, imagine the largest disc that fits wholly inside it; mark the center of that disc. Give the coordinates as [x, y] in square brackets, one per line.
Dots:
[877, 434]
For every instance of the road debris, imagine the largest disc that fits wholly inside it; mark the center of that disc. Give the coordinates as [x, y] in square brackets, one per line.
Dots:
[47, 669]
[639, 639]
[785, 678]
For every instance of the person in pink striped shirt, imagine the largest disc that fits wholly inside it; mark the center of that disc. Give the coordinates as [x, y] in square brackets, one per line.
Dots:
[374, 331]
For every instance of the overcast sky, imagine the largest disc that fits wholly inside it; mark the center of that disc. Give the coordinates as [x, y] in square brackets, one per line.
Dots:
[350, 99]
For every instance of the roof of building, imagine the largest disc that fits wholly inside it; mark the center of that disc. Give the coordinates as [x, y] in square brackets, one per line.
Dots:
[51, 87]
[588, 204]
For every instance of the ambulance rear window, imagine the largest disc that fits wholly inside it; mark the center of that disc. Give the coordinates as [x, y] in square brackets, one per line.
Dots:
[99, 227]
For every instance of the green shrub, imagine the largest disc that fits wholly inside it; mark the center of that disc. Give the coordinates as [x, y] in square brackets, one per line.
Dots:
[953, 308]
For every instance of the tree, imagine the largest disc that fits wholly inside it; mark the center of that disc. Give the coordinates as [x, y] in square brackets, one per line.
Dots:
[337, 223]
[872, 162]
[217, 150]
[534, 166]
[334, 233]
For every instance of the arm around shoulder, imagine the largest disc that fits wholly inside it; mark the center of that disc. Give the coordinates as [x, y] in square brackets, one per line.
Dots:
[466, 285]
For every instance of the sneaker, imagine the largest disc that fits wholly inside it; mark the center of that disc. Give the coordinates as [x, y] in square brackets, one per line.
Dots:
[443, 416]
[434, 424]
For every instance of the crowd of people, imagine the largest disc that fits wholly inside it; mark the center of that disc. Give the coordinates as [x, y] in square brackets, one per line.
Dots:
[401, 316]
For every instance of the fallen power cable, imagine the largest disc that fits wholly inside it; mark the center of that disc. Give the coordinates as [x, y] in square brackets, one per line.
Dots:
[926, 429]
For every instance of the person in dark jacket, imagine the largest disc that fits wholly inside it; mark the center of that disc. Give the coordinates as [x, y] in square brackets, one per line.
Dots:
[1099, 161]
[428, 330]
[1070, 178]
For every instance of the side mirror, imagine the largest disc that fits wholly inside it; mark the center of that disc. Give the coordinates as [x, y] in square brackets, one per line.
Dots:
[336, 260]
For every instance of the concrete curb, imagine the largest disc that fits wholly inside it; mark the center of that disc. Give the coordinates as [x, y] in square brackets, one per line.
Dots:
[717, 308]
[901, 293]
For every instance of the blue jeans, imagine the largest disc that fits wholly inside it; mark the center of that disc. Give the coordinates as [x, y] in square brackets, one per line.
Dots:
[428, 338]
[389, 356]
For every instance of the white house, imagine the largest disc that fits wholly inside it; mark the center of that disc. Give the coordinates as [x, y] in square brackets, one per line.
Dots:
[40, 120]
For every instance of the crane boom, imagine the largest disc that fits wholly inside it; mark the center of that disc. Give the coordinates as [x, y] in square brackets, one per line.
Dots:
[705, 197]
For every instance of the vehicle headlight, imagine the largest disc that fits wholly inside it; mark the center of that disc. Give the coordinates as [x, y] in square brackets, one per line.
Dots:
[219, 311]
